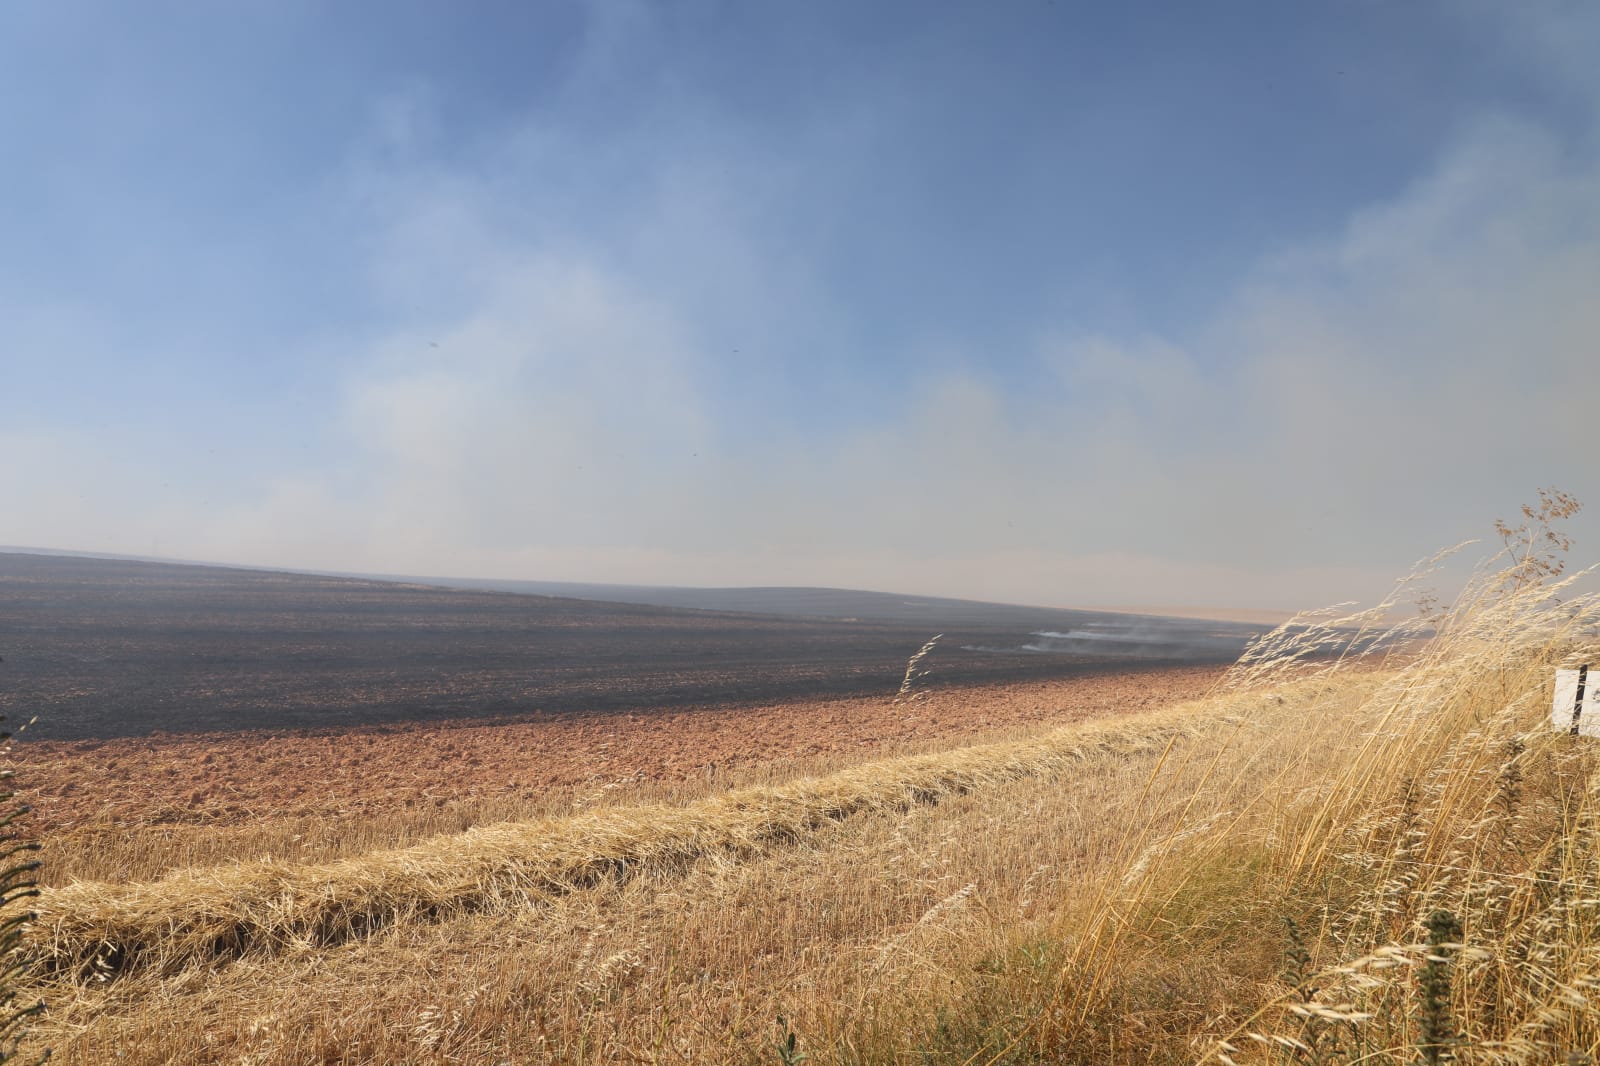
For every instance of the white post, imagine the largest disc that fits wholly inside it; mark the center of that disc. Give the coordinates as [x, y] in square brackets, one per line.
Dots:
[1575, 696]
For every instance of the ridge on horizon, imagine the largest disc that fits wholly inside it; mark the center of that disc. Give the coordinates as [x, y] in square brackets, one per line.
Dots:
[717, 597]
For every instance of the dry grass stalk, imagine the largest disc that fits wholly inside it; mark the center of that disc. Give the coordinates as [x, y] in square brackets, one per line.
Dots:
[912, 673]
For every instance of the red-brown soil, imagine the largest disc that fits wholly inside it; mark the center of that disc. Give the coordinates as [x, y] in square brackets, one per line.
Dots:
[224, 778]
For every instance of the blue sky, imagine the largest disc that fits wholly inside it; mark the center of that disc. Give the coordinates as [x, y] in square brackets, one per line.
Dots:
[1232, 304]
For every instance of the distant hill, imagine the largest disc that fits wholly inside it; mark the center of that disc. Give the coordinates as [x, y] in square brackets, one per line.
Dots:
[1047, 630]
[783, 601]
[797, 602]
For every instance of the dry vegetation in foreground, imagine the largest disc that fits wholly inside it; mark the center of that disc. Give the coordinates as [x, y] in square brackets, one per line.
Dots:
[1317, 864]
[133, 809]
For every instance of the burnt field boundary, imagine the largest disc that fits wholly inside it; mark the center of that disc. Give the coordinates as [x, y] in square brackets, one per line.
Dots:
[100, 648]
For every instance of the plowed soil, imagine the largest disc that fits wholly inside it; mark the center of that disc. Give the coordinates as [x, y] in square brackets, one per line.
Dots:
[224, 778]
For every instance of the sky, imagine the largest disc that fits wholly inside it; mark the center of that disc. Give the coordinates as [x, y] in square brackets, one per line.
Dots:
[1066, 303]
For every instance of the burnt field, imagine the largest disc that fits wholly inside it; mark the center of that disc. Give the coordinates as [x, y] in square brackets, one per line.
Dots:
[101, 648]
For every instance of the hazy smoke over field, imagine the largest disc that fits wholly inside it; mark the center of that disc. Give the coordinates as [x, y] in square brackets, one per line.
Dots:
[1288, 456]
[660, 393]
[1151, 640]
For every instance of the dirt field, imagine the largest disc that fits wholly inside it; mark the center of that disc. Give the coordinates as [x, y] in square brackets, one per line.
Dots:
[234, 778]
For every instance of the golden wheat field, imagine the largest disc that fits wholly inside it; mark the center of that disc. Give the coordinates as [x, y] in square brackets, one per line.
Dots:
[1358, 846]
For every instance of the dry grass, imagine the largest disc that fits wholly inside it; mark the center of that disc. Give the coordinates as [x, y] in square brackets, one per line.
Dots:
[1417, 884]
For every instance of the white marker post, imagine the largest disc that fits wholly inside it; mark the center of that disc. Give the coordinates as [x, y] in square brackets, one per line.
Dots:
[1574, 696]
